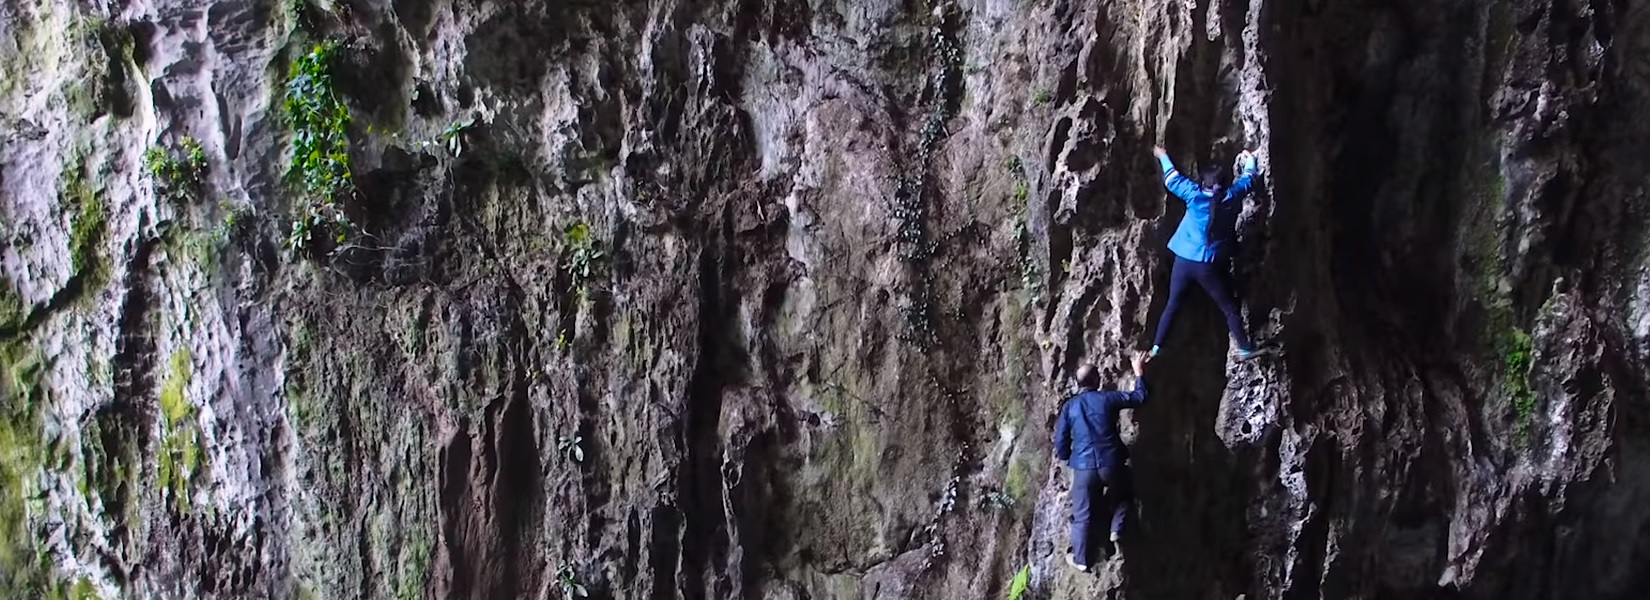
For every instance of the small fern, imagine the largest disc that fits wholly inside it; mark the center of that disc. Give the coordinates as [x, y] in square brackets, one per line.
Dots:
[1020, 584]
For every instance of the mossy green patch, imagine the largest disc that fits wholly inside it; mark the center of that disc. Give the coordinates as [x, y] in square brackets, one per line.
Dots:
[180, 451]
[1018, 481]
[179, 173]
[83, 590]
[200, 248]
[106, 49]
[88, 228]
[1517, 357]
[12, 312]
[1501, 339]
[23, 454]
[414, 567]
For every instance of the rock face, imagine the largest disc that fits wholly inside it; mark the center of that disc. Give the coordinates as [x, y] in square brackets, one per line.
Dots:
[778, 298]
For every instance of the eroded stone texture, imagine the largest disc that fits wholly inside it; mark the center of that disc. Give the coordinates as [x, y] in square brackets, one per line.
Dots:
[850, 254]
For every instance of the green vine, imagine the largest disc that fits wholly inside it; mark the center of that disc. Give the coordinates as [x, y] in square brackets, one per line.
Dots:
[910, 208]
[1517, 352]
[1030, 276]
[320, 145]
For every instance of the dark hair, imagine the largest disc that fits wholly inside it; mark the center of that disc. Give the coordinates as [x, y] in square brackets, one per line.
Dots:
[1212, 177]
[1088, 377]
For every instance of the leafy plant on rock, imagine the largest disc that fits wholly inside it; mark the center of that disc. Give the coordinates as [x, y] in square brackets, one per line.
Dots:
[573, 447]
[452, 138]
[583, 257]
[569, 583]
[320, 145]
[1021, 583]
[1014, 166]
[180, 174]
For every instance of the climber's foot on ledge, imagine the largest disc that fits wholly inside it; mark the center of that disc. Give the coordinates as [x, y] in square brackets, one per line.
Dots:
[1071, 559]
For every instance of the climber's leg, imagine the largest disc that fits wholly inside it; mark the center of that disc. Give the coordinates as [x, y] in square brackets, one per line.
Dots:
[1085, 483]
[1119, 496]
[1213, 278]
[1185, 272]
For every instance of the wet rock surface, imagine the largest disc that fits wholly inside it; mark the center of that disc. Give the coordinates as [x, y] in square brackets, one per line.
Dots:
[778, 299]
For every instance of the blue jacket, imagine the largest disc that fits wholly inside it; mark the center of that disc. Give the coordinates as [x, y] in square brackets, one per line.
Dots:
[1206, 231]
[1086, 435]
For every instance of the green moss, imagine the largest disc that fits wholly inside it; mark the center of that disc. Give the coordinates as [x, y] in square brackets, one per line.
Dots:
[1501, 340]
[1517, 357]
[202, 249]
[180, 451]
[23, 454]
[303, 590]
[12, 312]
[90, 93]
[414, 563]
[83, 590]
[1018, 481]
[88, 228]
[1043, 96]
[173, 402]
[303, 338]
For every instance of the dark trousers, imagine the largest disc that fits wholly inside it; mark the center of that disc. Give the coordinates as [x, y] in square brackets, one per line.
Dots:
[1112, 487]
[1212, 277]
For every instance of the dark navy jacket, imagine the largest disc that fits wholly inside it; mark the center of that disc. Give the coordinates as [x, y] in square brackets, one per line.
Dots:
[1086, 435]
[1206, 230]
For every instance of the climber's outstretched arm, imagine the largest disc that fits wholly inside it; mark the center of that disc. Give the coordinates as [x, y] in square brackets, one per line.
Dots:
[1245, 181]
[1183, 188]
[1135, 398]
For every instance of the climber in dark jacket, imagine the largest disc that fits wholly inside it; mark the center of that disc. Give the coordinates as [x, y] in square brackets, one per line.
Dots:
[1086, 437]
[1202, 244]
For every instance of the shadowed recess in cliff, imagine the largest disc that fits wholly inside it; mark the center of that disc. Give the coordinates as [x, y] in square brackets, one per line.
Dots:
[720, 365]
[735, 405]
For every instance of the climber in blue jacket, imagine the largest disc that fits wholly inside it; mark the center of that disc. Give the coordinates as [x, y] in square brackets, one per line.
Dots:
[1086, 437]
[1203, 242]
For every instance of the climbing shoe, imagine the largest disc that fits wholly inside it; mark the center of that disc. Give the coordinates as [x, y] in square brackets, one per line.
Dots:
[1153, 353]
[1114, 536]
[1071, 559]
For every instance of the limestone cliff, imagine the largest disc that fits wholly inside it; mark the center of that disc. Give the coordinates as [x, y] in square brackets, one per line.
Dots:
[778, 298]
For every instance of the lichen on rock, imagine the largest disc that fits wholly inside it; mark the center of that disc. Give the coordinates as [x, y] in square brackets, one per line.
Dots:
[779, 299]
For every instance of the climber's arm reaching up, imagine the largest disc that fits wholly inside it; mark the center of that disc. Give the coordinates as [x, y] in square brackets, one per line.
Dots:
[1246, 176]
[1183, 188]
[1135, 398]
